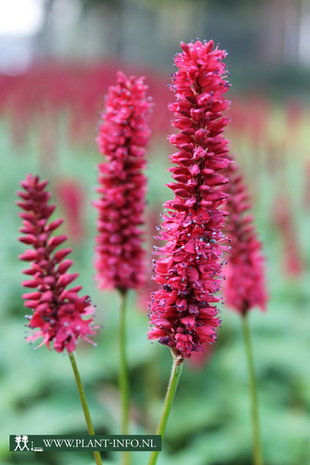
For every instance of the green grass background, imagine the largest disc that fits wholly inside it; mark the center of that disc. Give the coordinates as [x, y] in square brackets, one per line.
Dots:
[210, 420]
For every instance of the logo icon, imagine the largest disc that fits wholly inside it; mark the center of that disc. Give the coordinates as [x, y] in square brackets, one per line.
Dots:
[18, 440]
[21, 443]
[25, 442]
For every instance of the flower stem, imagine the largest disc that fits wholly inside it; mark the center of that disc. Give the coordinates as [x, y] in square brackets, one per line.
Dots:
[84, 403]
[257, 450]
[176, 371]
[123, 374]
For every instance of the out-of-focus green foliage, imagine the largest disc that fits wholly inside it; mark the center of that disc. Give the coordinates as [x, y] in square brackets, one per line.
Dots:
[210, 420]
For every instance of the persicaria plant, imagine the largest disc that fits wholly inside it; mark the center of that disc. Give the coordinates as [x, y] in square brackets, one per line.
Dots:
[189, 270]
[57, 311]
[203, 225]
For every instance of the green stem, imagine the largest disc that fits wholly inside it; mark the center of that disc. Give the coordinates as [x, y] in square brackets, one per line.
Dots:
[84, 403]
[176, 371]
[123, 374]
[257, 450]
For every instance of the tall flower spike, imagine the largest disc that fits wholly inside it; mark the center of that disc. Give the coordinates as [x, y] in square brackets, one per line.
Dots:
[57, 311]
[244, 287]
[190, 262]
[123, 135]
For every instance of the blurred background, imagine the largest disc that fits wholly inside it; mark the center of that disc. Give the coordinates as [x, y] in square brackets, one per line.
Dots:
[57, 59]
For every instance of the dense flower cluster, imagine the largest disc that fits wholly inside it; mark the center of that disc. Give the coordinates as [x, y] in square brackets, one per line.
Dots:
[123, 135]
[244, 287]
[188, 269]
[57, 311]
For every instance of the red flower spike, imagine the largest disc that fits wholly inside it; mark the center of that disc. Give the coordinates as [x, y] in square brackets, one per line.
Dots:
[123, 135]
[244, 287]
[190, 262]
[57, 312]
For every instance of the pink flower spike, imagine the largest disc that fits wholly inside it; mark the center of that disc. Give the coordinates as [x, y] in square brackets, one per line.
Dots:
[189, 265]
[244, 287]
[123, 136]
[57, 319]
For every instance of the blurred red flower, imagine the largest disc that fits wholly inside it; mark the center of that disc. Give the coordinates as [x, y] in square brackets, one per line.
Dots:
[71, 195]
[244, 286]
